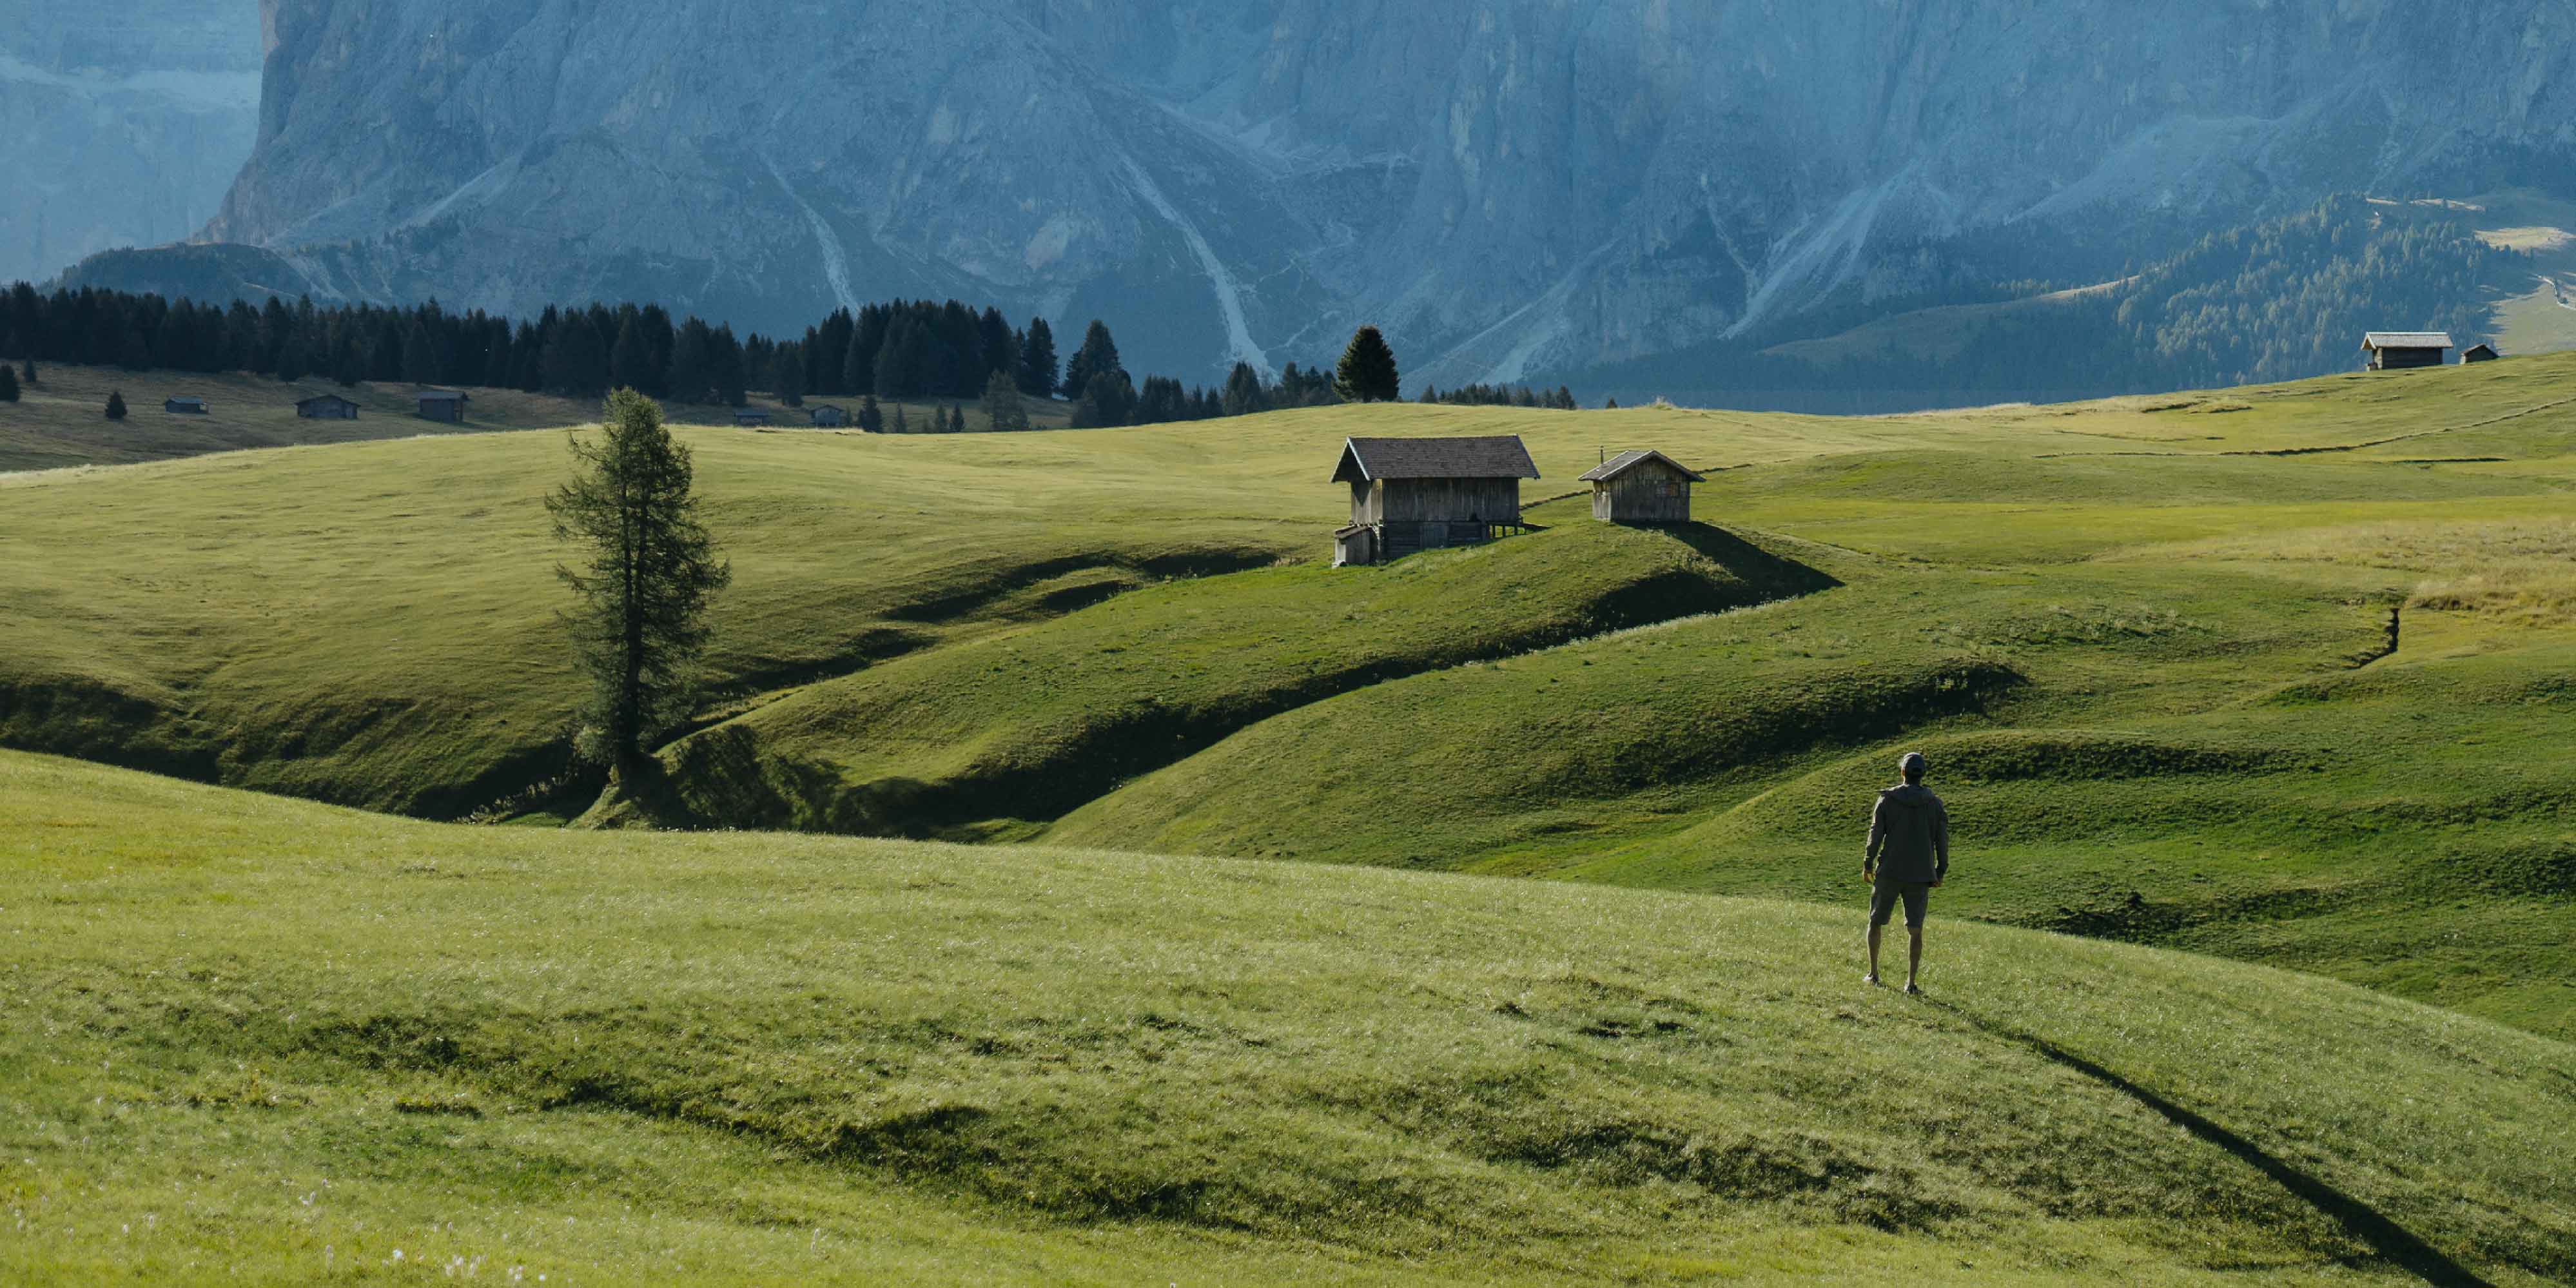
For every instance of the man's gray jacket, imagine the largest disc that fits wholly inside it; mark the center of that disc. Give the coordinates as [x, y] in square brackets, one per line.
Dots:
[1909, 835]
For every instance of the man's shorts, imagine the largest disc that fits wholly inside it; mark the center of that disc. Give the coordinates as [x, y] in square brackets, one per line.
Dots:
[1884, 894]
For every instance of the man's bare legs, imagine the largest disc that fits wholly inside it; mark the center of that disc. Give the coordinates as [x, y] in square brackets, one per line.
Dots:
[1913, 954]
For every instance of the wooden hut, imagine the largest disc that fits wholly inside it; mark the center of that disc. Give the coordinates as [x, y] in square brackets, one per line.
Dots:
[827, 416]
[443, 404]
[2400, 350]
[751, 415]
[2479, 353]
[186, 405]
[1642, 487]
[1414, 494]
[326, 407]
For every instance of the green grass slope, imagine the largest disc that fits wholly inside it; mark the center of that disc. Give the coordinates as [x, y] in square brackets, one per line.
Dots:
[250, 1038]
[60, 422]
[1030, 724]
[373, 623]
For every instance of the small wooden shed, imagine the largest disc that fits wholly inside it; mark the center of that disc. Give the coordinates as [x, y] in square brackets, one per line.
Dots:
[2400, 350]
[1642, 487]
[1415, 494]
[188, 405]
[751, 415]
[2479, 353]
[827, 416]
[326, 407]
[443, 404]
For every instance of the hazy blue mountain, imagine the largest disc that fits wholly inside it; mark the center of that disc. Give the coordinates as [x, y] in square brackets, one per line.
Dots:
[1510, 187]
[122, 122]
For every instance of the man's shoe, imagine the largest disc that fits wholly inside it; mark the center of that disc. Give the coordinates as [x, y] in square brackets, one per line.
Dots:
[1871, 980]
[1911, 990]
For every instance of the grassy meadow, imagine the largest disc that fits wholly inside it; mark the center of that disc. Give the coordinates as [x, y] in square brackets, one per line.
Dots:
[2249, 706]
[254, 1038]
[61, 421]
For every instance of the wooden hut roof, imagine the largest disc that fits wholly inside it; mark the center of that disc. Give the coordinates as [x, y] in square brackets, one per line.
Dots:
[324, 398]
[2407, 340]
[441, 395]
[1501, 456]
[1626, 461]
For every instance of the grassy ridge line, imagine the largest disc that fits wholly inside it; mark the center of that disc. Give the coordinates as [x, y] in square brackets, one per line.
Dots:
[1550, 757]
[1029, 725]
[452, 1040]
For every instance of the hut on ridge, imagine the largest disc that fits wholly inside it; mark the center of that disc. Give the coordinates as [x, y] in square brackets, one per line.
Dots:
[184, 405]
[751, 415]
[326, 407]
[2479, 353]
[1415, 494]
[827, 416]
[1642, 487]
[2400, 350]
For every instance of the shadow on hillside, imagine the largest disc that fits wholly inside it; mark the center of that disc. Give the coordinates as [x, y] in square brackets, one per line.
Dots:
[2390, 1241]
[1778, 576]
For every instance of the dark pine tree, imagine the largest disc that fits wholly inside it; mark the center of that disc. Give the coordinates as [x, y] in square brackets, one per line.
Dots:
[1037, 360]
[8, 383]
[294, 358]
[420, 355]
[115, 404]
[348, 361]
[690, 377]
[576, 358]
[1367, 372]
[1107, 402]
[727, 370]
[787, 375]
[1097, 356]
[630, 360]
[871, 417]
[1244, 394]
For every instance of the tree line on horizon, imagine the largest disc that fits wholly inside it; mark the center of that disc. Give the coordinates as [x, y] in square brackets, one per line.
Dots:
[898, 351]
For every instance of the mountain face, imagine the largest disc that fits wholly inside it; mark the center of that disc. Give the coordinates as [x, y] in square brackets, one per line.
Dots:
[125, 122]
[1509, 187]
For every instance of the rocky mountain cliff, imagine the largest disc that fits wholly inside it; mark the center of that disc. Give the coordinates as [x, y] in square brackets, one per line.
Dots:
[126, 120]
[1509, 186]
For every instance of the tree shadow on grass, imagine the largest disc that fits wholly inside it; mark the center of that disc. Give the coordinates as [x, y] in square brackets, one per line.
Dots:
[2393, 1243]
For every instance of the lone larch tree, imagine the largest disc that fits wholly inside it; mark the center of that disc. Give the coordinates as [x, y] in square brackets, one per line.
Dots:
[646, 571]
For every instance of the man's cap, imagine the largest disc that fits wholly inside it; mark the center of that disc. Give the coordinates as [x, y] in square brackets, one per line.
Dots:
[1912, 763]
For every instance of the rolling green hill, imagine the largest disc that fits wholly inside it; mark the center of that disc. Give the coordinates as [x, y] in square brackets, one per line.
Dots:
[61, 422]
[257, 1039]
[2147, 639]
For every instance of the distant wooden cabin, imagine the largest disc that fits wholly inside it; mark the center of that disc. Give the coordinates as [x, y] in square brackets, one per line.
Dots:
[751, 415]
[1414, 494]
[2400, 350]
[827, 416]
[1642, 487]
[2479, 353]
[443, 404]
[187, 406]
[326, 407]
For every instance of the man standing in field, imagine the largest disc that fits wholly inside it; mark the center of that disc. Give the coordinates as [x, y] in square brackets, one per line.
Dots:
[1909, 853]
